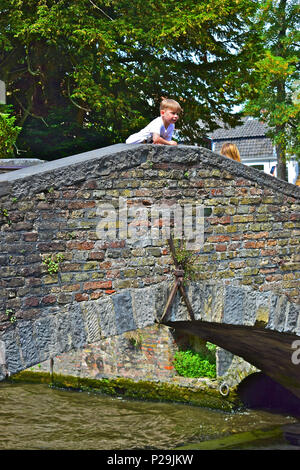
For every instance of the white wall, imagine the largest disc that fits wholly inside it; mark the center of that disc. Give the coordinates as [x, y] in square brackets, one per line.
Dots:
[2, 93]
[292, 167]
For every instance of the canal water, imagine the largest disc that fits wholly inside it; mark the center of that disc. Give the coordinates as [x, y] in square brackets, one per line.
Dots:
[38, 417]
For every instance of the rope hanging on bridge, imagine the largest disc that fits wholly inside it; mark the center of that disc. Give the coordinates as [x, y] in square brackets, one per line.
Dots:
[179, 274]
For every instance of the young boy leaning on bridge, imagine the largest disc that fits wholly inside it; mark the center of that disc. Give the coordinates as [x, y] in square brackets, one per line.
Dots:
[160, 130]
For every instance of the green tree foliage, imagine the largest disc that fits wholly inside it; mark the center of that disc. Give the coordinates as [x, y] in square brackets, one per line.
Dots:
[190, 363]
[8, 132]
[272, 85]
[83, 74]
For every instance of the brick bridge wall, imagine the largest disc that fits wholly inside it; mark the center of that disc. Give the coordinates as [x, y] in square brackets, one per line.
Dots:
[251, 234]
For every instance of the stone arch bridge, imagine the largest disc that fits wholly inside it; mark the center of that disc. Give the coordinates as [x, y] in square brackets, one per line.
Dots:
[64, 285]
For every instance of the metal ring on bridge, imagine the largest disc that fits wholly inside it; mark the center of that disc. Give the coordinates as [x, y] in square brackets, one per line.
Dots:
[221, 389]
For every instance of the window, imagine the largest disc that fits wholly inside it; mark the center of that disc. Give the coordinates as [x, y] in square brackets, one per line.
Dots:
[258, 167]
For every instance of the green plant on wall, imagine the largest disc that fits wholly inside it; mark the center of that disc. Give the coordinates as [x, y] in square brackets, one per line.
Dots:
[190, 363]
[52, 262]
[211, 348]
[8, 132]
[186, 259]
[10, 315]
[189, 260]
[4, 213]
[135, 338]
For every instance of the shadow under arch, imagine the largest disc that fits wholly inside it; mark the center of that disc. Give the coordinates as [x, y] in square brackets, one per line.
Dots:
[258, 391]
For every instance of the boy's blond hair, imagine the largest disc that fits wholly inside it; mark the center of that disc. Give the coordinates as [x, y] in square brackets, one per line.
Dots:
[167, 103]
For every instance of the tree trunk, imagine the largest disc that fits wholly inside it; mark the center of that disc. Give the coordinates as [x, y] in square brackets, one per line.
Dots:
[281, 93]
[281, 164]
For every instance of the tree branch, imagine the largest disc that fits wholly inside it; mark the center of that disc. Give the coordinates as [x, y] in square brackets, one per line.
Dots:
[28, 113]
[29, 67]
[103, 12]
[6, 62]
[72, 101]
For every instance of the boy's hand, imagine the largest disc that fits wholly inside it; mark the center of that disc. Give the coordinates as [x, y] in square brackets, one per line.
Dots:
[160, 141]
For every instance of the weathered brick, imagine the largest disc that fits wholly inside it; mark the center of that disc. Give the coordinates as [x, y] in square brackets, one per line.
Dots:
[81, 204]
[96, 295]
[90, 266]
[22, 226]
[49, 299]
[15, 282]
[81, 297]
[44, 206]
[69, 194]
[254, 244]
[97, 285]
[221, 247]
[90, 184]
[220, 220]
[30, 237]
[71, 287]
[67, 267]
[96, 255]
[32, 302]
[113, 274]
[50, 279]
[64, 298]
[54, 246]
[77, 245]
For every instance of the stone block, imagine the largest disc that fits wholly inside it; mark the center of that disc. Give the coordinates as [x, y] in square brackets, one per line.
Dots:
[234, 305]
[90, 311]
[123, 312]
[29, 350]
[44, 336]
[12, 351]
[292, 318]
[278, 307]
[62, 338]
[217, 312]
[144, 308]
[262, 310]
[77, 327]
[107, 317]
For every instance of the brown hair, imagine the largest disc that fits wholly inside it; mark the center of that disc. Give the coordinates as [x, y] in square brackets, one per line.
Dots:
[231, 151]
[169, 103]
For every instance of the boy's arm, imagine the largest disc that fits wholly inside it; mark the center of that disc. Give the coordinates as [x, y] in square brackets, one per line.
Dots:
[157, 139]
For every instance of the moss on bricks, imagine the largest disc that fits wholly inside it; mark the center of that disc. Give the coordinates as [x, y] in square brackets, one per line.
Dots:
[138, 390]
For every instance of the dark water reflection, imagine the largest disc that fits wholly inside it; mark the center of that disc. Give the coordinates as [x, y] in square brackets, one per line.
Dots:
[39, 417]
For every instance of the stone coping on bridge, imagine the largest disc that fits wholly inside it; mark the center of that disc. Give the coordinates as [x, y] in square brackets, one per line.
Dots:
[20, 163]
[69, 170]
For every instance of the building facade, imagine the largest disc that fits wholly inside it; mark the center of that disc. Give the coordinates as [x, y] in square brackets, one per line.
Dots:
[256, 149]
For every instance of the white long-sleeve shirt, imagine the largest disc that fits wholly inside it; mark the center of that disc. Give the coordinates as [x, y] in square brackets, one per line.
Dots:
[154, 127]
